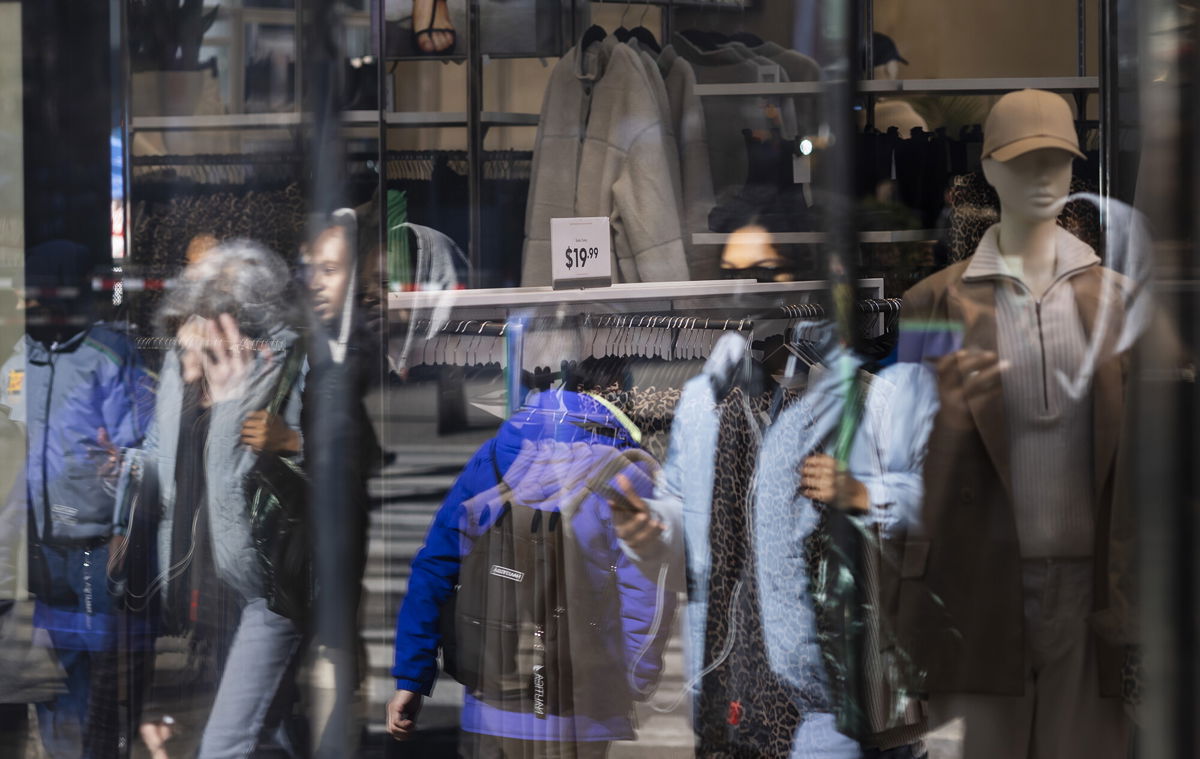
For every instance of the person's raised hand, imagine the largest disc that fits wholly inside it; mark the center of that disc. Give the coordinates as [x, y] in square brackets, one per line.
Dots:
[226, 359]
[635, 523]
[821, 481]
[263, 431]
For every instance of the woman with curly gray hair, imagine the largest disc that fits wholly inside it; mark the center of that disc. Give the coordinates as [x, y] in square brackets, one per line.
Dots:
[233, 315]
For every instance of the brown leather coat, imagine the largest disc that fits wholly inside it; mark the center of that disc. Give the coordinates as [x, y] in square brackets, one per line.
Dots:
[959, 600]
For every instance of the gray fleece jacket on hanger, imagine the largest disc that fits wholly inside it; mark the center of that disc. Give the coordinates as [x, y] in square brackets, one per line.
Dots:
[695, 170]
[601, 150]
[727, 116]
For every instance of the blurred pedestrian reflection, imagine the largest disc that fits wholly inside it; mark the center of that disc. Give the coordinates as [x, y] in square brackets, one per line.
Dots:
[234, 317]
[769, 676]
[523, 586]
[80, 392]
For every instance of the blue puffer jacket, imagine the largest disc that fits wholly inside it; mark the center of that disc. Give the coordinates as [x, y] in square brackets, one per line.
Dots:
[65, 394]
[548, 452]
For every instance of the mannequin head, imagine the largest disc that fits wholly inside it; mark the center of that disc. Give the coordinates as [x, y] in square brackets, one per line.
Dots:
[1032, 187]
[1029, 140]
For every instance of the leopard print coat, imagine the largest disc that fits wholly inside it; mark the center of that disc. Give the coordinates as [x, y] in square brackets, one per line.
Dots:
[652, 410]
[746, 709]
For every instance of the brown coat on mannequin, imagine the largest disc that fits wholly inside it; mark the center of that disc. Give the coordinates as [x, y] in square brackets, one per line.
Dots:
[960, 596]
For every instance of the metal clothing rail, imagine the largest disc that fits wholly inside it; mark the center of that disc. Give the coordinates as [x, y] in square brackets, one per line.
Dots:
[494, 328]
[467, 327]
[665, 321]
[218, 159]
[864, 306]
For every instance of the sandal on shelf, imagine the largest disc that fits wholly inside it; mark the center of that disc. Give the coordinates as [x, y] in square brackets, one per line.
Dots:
[430, 30]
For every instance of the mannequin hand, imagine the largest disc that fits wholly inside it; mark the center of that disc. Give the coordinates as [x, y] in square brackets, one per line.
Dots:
[402, 711]
[967, 373]
[820, 481]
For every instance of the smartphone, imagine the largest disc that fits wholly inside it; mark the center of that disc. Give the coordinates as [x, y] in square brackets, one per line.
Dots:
[929, 341]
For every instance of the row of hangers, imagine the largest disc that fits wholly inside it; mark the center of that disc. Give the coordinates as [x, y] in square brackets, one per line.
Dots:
[865, 306]
[644, 37]
[669, 337]
[420, 165]
[710, 39]
[799, 312]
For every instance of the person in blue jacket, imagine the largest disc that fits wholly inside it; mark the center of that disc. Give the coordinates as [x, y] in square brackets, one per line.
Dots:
[558, 453]
[81, 392]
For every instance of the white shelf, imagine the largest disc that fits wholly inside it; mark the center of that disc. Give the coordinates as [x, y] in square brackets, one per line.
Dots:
[813, 238]
[459, 119]
[617, 297]
[742, 89]
[349, 119]
[217, 121]
[982, 86]
[977, 86]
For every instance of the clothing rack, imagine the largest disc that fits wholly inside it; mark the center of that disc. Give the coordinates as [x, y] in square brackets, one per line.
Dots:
[218, 169]
[644, 335]
[864, 306]
[217, 159]
[496, 328]
[418, 165]
[665, 321]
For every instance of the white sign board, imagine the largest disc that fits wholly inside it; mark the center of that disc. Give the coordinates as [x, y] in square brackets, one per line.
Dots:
[581, 252]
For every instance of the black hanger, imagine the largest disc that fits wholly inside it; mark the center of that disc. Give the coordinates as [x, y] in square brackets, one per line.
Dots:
[747, 39]
[594, 33]
[699, 38]
[622, 33]
[643, 35]
[646, 39]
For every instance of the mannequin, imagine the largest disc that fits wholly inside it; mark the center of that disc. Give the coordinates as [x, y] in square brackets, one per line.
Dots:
[1008, 566]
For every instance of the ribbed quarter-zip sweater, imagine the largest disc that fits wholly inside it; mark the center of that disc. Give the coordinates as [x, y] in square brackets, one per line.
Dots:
[1047, 407]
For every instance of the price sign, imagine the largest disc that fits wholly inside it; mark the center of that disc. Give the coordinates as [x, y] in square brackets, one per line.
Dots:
[581, 252]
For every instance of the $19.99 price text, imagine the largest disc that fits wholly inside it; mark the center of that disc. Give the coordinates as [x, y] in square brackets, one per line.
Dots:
[578, 257]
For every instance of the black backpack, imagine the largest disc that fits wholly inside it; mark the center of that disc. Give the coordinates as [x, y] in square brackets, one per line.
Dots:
[507, 633]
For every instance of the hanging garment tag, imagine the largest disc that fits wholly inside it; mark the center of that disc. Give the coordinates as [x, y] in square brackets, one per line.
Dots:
[770, 73]
[801, 169]
[581, 252]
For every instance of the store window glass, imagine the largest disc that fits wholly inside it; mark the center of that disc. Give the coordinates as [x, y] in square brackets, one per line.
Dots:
[538, 378]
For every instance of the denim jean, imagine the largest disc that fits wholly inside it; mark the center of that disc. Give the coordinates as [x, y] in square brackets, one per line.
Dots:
[248, 711]
[818, 738]
[75, 608]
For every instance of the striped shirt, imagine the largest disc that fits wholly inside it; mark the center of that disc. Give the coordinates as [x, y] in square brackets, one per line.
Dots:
[1047, 408]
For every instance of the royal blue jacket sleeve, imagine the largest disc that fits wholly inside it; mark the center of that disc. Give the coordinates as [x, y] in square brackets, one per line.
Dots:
[433, 577]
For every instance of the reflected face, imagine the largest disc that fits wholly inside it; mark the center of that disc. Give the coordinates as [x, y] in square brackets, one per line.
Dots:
[1032, 186]
[329, 264]
[199, 247]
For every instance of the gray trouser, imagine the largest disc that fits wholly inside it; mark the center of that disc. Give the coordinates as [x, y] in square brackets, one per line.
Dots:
[479, 746]
[264, 648]
[1061, 715]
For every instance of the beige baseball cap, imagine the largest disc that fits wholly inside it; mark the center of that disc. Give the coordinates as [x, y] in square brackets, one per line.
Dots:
[1029, 120]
